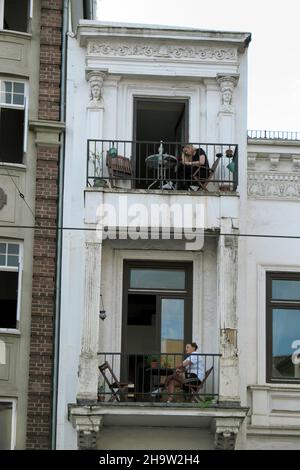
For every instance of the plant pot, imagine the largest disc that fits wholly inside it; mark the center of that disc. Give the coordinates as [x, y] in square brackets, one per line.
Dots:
[99, 183]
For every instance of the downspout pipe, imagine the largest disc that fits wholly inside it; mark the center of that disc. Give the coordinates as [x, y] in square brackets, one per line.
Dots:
[59, 233]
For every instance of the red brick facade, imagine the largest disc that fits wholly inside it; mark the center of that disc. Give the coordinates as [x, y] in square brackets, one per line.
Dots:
[44, 256]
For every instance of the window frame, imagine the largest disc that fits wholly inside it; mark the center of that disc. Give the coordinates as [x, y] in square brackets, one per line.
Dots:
[30, 14]
[18, 107]
[13, 420]
[273, 304]
[18, 269]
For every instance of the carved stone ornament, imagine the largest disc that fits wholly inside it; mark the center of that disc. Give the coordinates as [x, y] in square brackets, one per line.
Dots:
[96, 79]
[274, 160]
[87, 427]
[137, 49]
[267, 185]
[226, 433]
[3, 199]
[227, 84]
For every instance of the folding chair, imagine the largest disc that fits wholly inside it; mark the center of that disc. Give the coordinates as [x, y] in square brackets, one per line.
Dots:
[118, 167]
[195, 388]
[119, 390]
[202, 183]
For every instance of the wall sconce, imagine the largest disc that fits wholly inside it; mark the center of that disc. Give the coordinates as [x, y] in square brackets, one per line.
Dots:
[102, 313]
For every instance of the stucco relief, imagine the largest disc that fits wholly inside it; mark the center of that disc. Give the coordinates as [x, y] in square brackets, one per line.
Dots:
[273, 186]
[134, 49]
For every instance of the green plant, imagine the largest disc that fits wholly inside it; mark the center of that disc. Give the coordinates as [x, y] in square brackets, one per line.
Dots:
[151, 360]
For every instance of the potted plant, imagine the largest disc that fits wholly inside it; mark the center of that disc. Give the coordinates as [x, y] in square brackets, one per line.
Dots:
[153, 361]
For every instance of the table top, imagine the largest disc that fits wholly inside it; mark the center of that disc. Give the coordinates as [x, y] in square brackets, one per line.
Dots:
[165, 160]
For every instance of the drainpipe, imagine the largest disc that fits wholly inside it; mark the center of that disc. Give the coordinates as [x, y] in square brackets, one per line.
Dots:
[59, 234]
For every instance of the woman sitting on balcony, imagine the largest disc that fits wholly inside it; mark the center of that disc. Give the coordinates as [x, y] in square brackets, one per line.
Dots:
[191, 160]
[191, 368]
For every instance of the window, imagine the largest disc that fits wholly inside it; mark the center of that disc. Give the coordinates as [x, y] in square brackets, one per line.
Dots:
[13, 121]
[283, 327]
[15, 14]
[10, 282]
[7, 424]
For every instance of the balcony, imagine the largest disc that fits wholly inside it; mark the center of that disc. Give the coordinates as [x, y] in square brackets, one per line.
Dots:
[155, 166]
[141, 378]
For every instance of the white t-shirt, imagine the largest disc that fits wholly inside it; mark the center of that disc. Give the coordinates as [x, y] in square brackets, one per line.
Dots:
[196, 366]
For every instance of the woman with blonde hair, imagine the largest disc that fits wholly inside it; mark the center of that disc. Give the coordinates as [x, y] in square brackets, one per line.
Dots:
[192, 158]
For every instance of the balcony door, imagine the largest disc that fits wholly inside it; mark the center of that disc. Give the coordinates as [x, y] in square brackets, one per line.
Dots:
[156, 120]
[157, 307]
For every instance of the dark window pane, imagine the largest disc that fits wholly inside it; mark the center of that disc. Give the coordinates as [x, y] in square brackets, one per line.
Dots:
[285, 289]
[8, 299]
[286, 331]
[2, 247]
[16, 15]
[13, 249]
[11, 135]
[18, 99]
[2, 260]
[12, 260]
[141, 310]
[157, 279]
[18, 87]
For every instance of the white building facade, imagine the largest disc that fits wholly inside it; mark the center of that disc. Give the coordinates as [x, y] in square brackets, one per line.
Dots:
[135, 95]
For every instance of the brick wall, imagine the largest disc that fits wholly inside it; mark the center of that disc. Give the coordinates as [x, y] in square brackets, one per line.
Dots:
[44, 256]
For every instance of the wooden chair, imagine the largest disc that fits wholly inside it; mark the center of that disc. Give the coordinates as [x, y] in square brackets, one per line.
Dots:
[194, 389]
[118, 167]
[202, 183]
[120, 391]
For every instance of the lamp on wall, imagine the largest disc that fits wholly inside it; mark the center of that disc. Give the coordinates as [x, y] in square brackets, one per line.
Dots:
[102, 312]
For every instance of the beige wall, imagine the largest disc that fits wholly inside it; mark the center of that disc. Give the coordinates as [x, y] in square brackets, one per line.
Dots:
[19, 58]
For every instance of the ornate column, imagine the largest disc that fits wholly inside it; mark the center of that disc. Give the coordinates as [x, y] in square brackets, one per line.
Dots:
[88, 363]
[227, 288]
[227, 111]
[95, 107]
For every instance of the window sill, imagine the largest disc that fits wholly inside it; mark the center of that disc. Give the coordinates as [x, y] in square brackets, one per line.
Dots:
[276, 386]
[13, 166]
[10, 331]
[18, 34]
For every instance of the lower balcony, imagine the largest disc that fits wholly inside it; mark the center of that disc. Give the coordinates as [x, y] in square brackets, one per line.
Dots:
[139, 378]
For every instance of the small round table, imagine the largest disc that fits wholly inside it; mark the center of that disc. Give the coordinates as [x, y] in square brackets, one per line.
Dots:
[161, 163]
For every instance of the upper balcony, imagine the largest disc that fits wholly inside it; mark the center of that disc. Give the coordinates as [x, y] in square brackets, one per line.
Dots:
[162, 166]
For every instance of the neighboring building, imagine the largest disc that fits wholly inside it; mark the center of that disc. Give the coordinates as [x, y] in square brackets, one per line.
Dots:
[269, 329]
[128, 88]
[20, 25]
[32, 43]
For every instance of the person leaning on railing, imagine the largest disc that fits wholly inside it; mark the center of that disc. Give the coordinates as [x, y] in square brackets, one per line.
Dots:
[192, 158]
[191, 368]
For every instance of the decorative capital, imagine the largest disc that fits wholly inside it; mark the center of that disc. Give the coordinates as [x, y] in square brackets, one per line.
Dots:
[227, 84]
[87, 428]
[226, 433]
[274, 160]
[296, 162]
[251, 160]
[3, 198]
[96, 79]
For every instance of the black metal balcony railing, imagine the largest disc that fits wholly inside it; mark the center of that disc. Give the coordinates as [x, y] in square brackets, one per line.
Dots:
[152, 165]
[273, 135]
[140, 377]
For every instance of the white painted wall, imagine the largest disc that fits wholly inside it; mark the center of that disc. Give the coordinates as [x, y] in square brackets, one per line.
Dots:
[182, 77]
